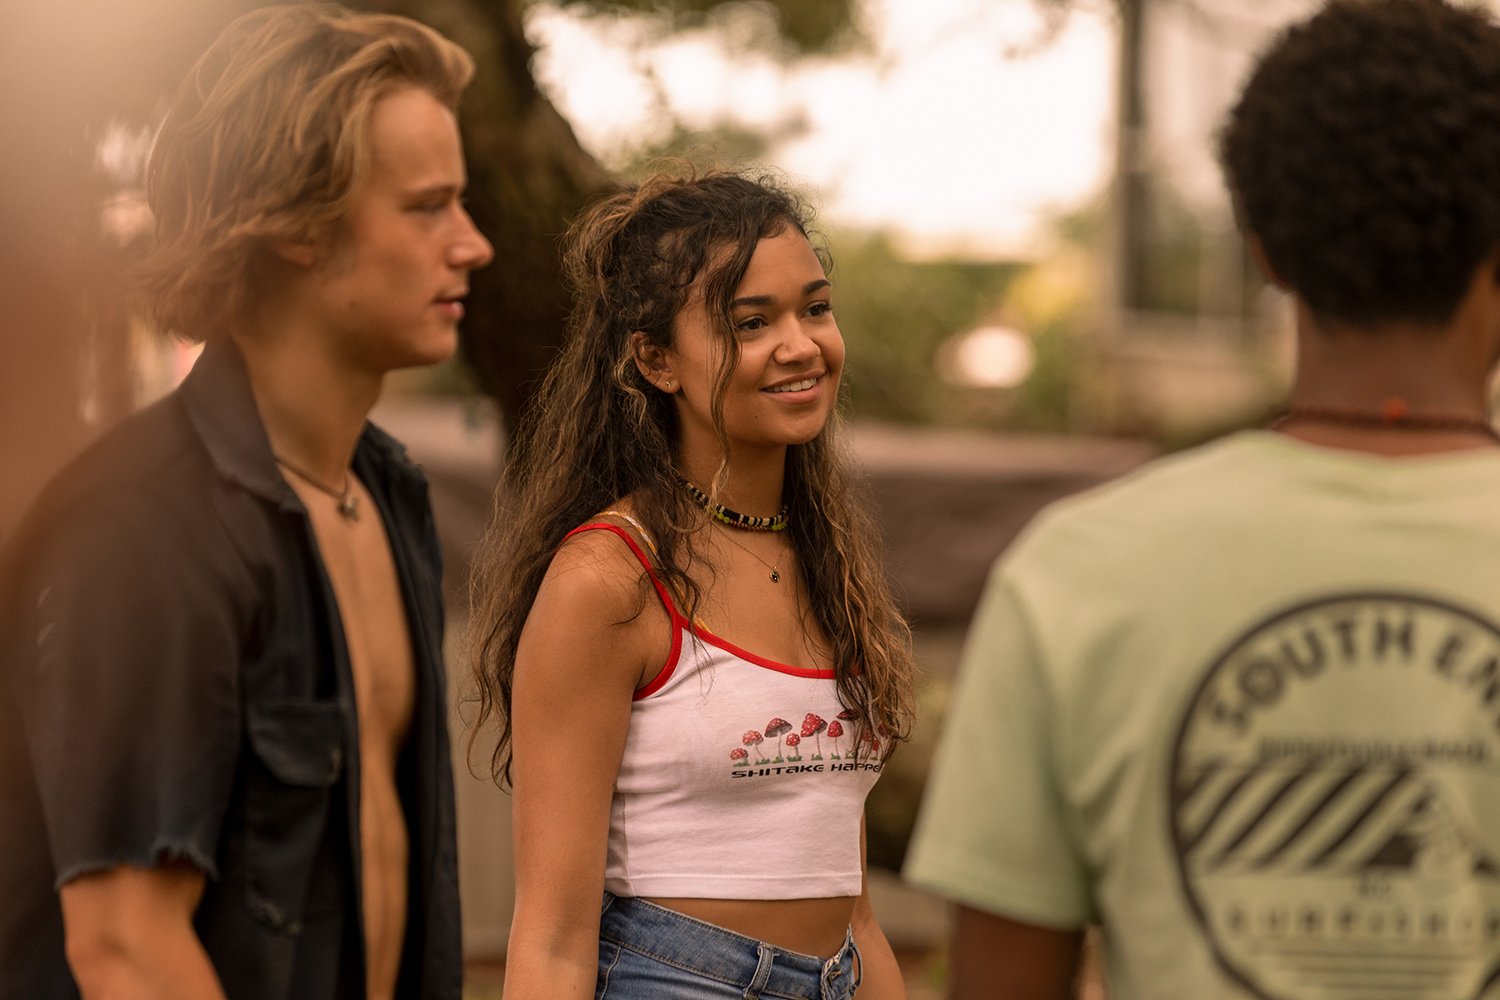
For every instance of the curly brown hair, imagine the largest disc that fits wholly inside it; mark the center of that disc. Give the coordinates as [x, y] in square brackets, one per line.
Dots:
[598, 435]
[266, 141]
[1363, 155]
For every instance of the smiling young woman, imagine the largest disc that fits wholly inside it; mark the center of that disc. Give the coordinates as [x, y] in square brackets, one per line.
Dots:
[790, 356]
[676, 570]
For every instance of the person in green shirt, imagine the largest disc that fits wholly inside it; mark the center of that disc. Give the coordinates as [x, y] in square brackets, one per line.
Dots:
[1242, 707]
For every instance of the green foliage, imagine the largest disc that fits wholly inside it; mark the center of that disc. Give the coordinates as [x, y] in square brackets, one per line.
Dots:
[894, 313]
[1053, 301]
[723, 147]
[803, 26]
[1187, 263]
[1172, 254]
[1048, 399]
[891, 809]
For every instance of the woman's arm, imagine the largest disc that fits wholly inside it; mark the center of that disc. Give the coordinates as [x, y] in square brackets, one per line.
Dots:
[881, 976]
[584, 650]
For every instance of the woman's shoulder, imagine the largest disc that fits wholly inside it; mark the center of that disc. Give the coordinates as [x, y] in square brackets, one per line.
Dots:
[594, 608]
[616, 529]
[604, 558]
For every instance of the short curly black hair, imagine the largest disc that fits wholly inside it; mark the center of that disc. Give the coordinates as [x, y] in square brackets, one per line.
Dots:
[1364, 155]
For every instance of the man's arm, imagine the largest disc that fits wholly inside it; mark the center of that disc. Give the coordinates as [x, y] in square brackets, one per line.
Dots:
[129, 698]
[998, 831]
[994, 958]
[130, 935]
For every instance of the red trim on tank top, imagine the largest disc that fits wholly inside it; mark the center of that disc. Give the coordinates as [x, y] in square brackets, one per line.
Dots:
[681, 625]
[663, 675]
[761, 661]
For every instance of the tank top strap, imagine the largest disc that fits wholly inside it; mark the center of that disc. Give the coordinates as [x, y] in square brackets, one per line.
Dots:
[640, 529]
[640, 555]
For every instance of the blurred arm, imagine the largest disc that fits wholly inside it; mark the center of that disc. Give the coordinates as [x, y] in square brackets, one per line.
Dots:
[997, 832]
[994, 958]
[130, 935]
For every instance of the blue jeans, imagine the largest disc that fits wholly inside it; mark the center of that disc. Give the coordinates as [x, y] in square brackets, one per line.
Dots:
[647, 952]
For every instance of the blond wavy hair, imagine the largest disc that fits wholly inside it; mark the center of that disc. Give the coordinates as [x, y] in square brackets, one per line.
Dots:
[266, 141]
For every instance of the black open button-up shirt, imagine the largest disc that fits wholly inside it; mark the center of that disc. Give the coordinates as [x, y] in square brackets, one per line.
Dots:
[175, 685]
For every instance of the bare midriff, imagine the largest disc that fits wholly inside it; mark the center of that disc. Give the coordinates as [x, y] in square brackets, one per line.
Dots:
[809, 926]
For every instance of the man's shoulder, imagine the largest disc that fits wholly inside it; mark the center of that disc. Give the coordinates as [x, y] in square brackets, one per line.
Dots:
[382, 454]
[1161, 492]
[143, 491]
[141, 452]
[385, 448]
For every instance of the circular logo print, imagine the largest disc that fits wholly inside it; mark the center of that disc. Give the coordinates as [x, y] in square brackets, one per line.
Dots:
[1335, 802]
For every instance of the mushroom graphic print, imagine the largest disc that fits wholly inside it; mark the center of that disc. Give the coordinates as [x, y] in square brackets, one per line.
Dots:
[738, 756]
[812, 725]
[792, 740]
[848, 716]
[835, 730]
[753, 738]
[774, 729]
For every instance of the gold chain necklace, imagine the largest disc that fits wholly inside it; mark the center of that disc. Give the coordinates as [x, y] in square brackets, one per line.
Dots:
[775, 573]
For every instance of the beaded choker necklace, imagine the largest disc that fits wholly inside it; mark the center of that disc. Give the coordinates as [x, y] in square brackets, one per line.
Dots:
[1394, 414]
[733, 518]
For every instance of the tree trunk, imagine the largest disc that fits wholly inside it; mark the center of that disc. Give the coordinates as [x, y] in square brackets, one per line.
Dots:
[528, 177]
[68, 73]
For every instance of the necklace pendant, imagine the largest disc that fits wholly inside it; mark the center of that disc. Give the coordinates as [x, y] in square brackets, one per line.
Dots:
[349, 507]
[775, 575]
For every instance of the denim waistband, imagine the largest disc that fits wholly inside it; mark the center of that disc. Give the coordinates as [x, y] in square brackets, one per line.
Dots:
[721, 954]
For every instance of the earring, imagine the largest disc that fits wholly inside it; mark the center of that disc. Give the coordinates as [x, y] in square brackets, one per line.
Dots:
[668, 385]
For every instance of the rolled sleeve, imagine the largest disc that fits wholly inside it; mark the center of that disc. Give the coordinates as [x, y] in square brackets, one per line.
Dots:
[993, 832]
[129, 694]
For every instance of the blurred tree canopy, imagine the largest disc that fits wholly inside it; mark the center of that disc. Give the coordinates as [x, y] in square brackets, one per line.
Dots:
[529, 175]
[895, 313]
[75, 69]
[803, 25]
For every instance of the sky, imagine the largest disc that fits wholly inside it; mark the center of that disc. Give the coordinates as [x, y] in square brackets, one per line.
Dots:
[935, 133]
[951, 128]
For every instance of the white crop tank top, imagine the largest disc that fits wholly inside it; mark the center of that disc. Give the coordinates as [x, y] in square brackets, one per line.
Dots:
[739, 778]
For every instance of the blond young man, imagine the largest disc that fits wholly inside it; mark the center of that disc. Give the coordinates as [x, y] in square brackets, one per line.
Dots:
[224, 764]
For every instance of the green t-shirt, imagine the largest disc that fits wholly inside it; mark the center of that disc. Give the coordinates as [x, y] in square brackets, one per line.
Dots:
[1243, 708]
